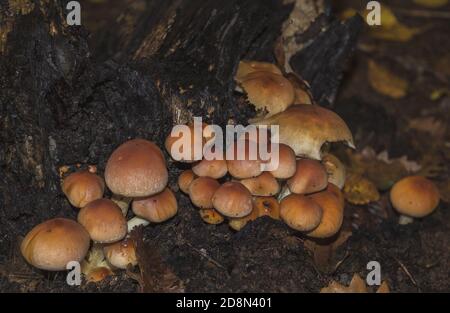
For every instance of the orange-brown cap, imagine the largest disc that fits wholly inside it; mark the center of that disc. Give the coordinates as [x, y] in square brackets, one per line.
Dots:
[268, 92]
[310, 176]
[232, 199]
[211, 216]
[241, 162]
[287, 164]
[415, 196]
[211, 168]
[121, 254]
[331, 201]
[247, 66]
[137, 168]
[185, 179]
[104, 221]
[300, 212]
[54, 243]
[264, 185]
[305, 128]
[83, 187]
[157, 208]
[201, 192]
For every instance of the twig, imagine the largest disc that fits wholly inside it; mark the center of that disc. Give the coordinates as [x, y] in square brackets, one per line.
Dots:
[405, 269]
[206, 256]
[423, 13]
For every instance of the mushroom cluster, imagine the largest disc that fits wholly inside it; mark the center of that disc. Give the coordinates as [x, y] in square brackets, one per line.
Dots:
[135, 172]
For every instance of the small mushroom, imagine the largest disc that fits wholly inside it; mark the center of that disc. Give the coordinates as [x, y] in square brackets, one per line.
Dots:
[335, 169]
[414, 197]
[268, 92]
[247, 66]
[262, 206]
[331, 201]
[194, 141]
[264, 185]
[310, 176]
[240, 160]
[121, 254]
[211, 216]
[211, 168]
[305, 128]
[201, 192]
[287, 164]
[185, 179]
[103, 220]
[83, 187]
[54, 243]
[300, 212]
[232, 199]
[157, 208]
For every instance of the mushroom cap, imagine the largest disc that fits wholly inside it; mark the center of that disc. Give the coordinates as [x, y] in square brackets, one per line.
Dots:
[211, 216]
[414, 196]
[185, 179]
[264, 185]
[157, 208]
[331, 201]
[121, 253]
[300, 212]
[262, 206]
[268, 91]
[310, 176]
[83, 187]
[98, 274]
[287, 163]
[305, 128]
[247, 66]
[335, 169]
[211, 168]
[242, 163]
[302, 94]
[201, 192]
[104, 221]
[137, 168]
[54, 243]
[190, 140]
[232, 199]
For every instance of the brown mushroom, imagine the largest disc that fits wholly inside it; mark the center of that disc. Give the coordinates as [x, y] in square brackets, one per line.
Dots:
[185, 179]
[83, 187]
[300, 212]
[287, 164]
[157, 208]
[121, 254]
[211, 216]
[310, 176]
[191, 139]
[262, 206]
[211, 168]
[232, 199]
[264, 185]
[243, 159]
[247, 66]
[201, 192]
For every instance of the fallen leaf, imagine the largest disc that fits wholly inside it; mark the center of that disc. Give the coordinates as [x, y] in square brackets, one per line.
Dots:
[430, 125]
[384, 288]
[431, 3]
[385, 82]
[359, 190]
[357, 285]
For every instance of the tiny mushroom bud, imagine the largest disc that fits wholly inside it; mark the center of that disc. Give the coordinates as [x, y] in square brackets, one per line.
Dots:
[305, 128]
[52, 244]
[232, 199]
[157, 208]
[121, 254]
[201, 192]
[268, 92]
[211, 216]
[83, 187]
[264, 185]
[331, 201]
[243, 160]
[185, 179]
[103, 220]
[309, 177]
[335, 170]
[246, 67]
[137, 168]
[287, 163]
[300, 212]
[414, 197]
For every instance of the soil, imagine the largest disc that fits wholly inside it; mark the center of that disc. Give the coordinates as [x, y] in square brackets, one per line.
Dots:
[267, 256]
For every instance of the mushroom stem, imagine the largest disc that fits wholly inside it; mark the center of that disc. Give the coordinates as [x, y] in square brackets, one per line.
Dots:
[122, 202]
[135, 222]
[405, 220]
[285, 191]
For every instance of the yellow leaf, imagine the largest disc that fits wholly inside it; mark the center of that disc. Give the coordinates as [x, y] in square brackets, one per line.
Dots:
[386, 82]
[359, 190]
[431, 3]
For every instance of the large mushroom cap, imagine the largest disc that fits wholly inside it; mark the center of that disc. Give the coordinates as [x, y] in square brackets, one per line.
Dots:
[415, 196]
[52, 244]
[104, 221]
[157, 208]
[232, 199]
[300, 212]
[267, 91]
[83, 187]
[137, 168]
[305, 128]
